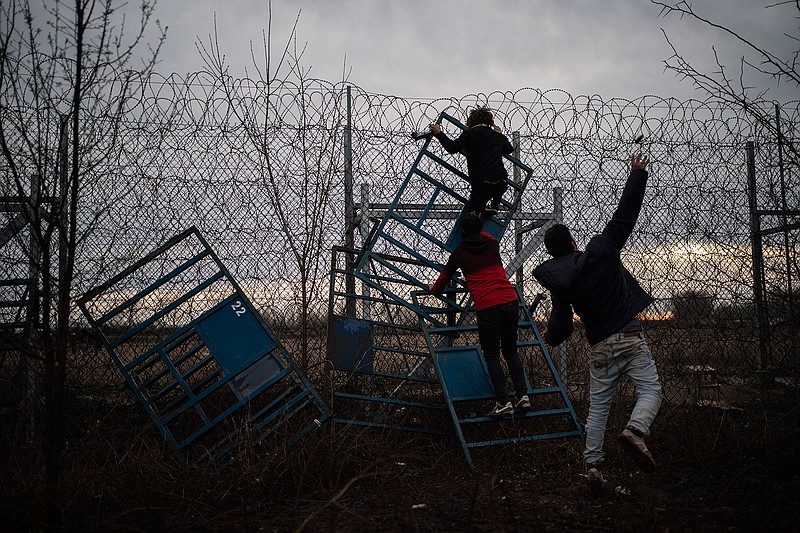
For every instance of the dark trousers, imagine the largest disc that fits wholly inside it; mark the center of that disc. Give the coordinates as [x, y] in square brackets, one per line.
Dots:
[482, 192]
[497, 327]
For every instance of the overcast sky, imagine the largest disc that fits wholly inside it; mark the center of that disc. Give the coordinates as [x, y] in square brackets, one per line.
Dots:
[444, 48]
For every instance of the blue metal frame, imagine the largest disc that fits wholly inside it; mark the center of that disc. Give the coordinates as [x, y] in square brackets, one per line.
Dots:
[389, 375]
[19, 320]
[495, 225]
[15, 339]
[219, 363]
[357, 351]
[464, 377]
[448, 372]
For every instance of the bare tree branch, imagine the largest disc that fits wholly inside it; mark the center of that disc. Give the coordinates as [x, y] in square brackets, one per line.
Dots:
[720, 85]
[780, 68]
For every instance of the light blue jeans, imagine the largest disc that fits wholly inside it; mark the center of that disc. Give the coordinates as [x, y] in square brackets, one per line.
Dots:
[612, 358]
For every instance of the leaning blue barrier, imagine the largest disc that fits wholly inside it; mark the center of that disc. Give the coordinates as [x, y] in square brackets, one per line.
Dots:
[199, 357]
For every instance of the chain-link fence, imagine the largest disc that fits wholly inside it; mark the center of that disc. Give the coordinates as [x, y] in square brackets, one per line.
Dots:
[259, 169]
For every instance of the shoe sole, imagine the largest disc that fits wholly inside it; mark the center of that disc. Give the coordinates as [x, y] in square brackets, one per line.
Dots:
[645, 463]
[500, 415]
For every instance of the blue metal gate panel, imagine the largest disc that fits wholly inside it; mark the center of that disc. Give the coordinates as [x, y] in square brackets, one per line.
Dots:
[464, 373]
[234, 335]
[430, 377]
[350, 344]
[198, 355]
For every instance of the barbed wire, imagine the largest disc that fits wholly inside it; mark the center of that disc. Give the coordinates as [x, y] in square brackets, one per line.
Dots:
[259, 169]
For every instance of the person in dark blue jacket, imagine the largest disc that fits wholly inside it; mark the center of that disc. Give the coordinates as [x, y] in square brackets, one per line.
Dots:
[484, 146]
[597, 286]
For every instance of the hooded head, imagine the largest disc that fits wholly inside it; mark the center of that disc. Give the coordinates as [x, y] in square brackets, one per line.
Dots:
[471, 225]
[558, 241]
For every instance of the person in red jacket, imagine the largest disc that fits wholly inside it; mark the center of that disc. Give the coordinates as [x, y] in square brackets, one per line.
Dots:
[496, 306]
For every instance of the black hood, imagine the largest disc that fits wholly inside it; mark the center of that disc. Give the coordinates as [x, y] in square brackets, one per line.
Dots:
[475, 243]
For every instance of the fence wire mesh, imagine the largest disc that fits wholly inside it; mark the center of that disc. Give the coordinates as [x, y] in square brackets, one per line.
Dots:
[259, 168]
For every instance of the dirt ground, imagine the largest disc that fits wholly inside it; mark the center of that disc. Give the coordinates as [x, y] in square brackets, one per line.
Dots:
[717, 471]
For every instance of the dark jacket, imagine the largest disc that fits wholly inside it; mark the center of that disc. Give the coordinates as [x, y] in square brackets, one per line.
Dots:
[478, 257]
[484, 149]
[594, 282]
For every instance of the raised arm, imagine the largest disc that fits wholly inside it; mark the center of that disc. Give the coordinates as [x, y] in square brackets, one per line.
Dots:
[507, 146]
[452, 146]
[622, 222]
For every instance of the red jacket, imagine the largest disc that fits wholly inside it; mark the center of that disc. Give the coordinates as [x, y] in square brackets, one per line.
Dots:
[478, 257]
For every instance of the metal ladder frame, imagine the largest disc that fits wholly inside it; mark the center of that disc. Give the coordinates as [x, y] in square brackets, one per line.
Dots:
[190, 369]
[481, 381]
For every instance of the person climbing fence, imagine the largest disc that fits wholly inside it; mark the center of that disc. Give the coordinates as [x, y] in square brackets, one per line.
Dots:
[484, 145]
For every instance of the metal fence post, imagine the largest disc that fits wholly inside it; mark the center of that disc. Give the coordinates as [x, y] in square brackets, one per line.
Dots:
[349, 206]
[34, 308]
[758, 260]
[520, 278]
[785, 222]
[364, 230]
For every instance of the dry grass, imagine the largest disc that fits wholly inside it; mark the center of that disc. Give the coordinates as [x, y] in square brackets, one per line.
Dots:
[717, 470]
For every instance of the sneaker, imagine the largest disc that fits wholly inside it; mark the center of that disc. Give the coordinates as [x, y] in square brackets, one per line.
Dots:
[501, 410]
[490, 211]
[523, 404]
[596, 480]
[634, 445]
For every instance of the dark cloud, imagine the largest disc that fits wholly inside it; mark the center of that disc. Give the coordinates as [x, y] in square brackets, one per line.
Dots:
[420, 48]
